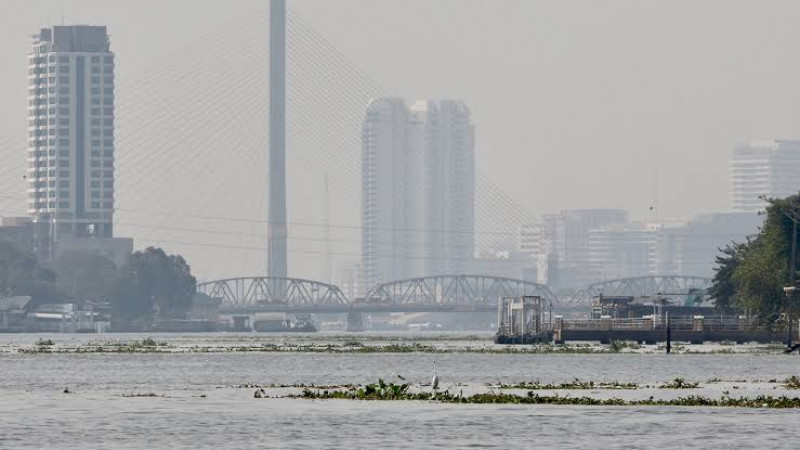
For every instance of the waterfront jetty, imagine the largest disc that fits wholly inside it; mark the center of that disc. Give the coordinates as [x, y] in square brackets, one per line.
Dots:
[529, 320]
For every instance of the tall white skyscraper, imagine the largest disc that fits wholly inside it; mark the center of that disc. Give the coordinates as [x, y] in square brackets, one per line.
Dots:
[384, 191]
[71, 135]
[448, 168]
[418, 195]
[767, 168]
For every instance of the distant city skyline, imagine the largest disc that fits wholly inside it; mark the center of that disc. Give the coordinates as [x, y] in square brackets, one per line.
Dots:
[560, 119]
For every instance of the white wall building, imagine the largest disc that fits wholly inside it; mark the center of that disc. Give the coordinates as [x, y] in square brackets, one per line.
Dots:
[418, 195]
[448, 195]
[530, 240]
[384, 191]
[71, 135]
[769, 168]
[622, 250]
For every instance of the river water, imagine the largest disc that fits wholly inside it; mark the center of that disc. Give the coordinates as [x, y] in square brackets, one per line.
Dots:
[198, 405]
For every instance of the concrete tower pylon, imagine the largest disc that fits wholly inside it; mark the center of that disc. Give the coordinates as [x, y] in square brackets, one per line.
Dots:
[277, 228]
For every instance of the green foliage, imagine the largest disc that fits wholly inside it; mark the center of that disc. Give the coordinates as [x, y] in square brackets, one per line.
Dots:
[86, 275]
[154, 283]
[141, 395]
[792, 382]
[750, 276]
[146, 342]
[575, 384]
[351, 342]
[21, 274]
[378, 391]
[679, 383]
[375, 392]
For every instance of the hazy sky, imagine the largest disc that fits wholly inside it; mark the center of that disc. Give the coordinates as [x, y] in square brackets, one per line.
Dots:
[576, 103]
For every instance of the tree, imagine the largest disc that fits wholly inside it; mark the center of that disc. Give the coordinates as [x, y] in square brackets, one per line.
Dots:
[750, 276]
[86, 275]
[21, 274]
[723, 288]
[154, 284]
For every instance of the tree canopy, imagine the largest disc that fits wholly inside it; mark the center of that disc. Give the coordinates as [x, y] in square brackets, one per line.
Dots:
[750, 276]
[154, 283]
[21, 274]
[86, 275]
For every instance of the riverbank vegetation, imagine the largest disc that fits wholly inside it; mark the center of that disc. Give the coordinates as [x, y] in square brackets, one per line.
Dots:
[150, 345]
[750, 276]
[572, 385]
[151, 283]
[383, 391]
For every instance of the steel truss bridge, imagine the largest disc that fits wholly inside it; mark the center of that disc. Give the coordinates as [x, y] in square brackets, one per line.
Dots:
[450, 293]
[641, 287]
[455, 290]
[265, 293]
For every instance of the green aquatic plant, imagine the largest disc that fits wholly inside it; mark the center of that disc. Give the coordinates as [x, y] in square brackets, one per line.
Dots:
[149, 342]
[388, 392]
[575, 384]
[140, 395]
[679, 383]
[378, 391]
[793, 382]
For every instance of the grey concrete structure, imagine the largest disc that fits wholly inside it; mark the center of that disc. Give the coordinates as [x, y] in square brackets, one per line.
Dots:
[277, 245]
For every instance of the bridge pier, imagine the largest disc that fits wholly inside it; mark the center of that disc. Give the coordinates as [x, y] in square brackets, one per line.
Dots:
[355, 321]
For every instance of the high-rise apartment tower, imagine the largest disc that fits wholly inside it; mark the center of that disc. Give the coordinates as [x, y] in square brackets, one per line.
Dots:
[70, 177]
[385, 183]
[763, 168]
[418, 194]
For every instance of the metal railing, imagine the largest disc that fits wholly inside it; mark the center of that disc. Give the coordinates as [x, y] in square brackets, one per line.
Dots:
[681, 323]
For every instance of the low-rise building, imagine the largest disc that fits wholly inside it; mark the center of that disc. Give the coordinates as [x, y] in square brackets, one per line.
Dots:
[13, 313]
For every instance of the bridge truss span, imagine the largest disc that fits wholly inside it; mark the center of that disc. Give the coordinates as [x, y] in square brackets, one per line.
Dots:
[455, 290]
[641, 287]
[273, 291]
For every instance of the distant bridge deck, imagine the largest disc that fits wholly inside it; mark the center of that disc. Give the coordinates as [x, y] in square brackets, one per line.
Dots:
[447, 293]
[356, 307]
